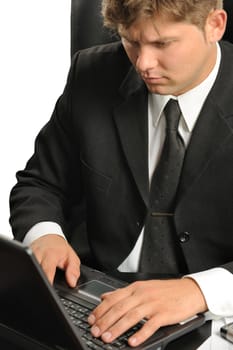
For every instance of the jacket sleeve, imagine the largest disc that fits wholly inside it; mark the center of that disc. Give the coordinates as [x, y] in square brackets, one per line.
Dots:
[45, 189]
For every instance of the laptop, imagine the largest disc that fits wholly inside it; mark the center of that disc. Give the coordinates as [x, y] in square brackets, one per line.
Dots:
[36, 315]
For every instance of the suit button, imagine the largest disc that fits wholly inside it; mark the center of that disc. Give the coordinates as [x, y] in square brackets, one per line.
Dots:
[184, 237]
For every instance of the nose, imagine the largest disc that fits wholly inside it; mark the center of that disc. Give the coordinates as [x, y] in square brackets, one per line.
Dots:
[146, 59]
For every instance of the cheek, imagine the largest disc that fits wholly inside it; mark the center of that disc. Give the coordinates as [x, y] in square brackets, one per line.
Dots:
[180, 64]
[191, 56]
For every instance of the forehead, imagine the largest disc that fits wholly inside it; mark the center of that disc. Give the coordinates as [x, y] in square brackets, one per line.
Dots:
[150, 28]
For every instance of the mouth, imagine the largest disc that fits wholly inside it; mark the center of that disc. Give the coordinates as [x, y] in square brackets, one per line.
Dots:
[153, 80]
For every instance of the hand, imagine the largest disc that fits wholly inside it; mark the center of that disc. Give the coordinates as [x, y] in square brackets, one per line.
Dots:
[54, 251]
[161, 302]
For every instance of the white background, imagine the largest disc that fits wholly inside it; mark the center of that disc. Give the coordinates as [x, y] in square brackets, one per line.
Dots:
[34, 62]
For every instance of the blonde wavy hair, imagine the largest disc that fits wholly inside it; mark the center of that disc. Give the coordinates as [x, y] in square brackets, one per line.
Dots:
[122, 13]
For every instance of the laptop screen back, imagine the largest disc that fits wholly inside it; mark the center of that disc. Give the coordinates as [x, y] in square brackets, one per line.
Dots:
[28, 303]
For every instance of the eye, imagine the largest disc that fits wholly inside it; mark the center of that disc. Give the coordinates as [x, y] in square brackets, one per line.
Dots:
[162, 44]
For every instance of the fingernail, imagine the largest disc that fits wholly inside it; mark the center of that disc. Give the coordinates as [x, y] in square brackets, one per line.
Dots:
[106, 336]
[91, 319]
[95, 331]
[73, 280]
[133, 341]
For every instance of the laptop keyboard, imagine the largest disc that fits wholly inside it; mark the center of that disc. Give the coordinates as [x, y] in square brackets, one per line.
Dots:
[79, 313]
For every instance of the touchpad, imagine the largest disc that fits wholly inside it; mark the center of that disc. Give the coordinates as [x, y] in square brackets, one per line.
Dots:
[94, 289]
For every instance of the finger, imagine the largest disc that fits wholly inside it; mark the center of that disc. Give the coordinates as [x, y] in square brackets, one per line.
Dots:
[129, 320]
[145, 332]
[110, 299]
[72, 272]
[49, 266]
[118, 318]
[45, 261]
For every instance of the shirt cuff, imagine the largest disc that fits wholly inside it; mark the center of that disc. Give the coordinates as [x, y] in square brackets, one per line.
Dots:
[41, 229]
[217, 287]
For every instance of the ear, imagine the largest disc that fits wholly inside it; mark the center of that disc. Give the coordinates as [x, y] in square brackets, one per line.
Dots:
[216, 25]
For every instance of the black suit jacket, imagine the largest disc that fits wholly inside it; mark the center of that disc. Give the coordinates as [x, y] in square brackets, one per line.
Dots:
[93, 153]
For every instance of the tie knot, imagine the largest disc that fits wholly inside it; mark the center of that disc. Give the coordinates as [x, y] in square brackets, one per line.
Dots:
[172, 113]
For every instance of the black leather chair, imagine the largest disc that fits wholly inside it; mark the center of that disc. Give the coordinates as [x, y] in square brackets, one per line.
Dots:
[228, 5]
[87, 26]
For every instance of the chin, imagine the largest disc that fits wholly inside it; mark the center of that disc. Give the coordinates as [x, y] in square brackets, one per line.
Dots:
[162, 90]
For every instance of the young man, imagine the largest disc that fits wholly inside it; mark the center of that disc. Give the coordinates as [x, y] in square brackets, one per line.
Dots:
[104, 143]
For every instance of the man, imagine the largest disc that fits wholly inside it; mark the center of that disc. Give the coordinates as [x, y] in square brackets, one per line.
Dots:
[104, 142]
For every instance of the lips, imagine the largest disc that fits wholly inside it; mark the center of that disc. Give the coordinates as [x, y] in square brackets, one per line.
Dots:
[155, 79]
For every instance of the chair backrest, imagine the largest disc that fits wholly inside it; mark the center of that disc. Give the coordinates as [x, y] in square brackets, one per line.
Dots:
[87, 26]
[228, 5]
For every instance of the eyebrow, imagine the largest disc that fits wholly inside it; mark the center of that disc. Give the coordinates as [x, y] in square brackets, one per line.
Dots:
[159, 40]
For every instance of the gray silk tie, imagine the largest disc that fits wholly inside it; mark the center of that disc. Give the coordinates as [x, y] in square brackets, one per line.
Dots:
[160, 250]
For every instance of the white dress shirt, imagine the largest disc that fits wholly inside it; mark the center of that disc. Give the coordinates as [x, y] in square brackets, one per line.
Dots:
[217, 283]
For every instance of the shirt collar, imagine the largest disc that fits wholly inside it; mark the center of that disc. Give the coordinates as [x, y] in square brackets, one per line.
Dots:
[195, 98]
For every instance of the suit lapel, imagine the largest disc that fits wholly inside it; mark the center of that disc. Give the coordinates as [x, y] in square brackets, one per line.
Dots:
[213, 127]
[210, 133]
[132, 125]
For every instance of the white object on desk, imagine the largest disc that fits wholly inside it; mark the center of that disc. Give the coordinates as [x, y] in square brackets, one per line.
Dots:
[215, 341]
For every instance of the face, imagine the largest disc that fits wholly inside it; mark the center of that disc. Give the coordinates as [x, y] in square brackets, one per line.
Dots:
[171, 57]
